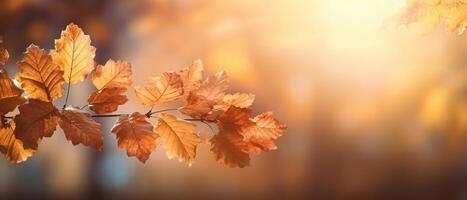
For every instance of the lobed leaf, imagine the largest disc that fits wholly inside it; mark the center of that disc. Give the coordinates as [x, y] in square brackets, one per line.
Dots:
[11, 147]
[164, 89]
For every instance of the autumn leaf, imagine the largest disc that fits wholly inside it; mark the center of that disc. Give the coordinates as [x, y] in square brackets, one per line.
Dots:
[215, 86]
[198, 107]
[107, 100]
[112, 81]
[39, 76]
[164, 89]
[135, 134]
[239, 100]
[229, 146]
[262, 135]
[192, 76]
[12, 148]
[178, 138]
[4, 56]
[10, 95]
[112, 75]
[36, 119]
[74, 54]
[80, 128]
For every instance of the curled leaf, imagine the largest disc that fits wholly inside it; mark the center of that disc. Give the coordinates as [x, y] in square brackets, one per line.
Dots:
[39, 76]
[178, 138]
[74, 54]
[80, 128]
[164, 89]
[135, 134]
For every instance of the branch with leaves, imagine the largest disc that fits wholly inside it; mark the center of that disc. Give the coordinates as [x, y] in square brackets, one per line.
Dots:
[42, 78]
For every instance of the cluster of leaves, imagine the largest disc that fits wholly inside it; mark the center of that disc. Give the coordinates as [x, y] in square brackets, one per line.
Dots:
[428, 14]
[42, 77]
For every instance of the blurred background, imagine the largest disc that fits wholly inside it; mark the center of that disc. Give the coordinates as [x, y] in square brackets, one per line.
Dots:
[375, 109]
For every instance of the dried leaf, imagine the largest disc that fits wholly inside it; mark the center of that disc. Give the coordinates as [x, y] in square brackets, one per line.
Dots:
[228, 146]
[39, 76]
[135, 134]
[261, 137]
[112, 75]
[80, 128]
[11, 147]
[4, 56]
[164, 89]
[107, 100]
[198, 107]
[239, 100]
[10, 95]
[36, 119]
[178, 137]
[74, 54]
[215, 86]
[192, 76]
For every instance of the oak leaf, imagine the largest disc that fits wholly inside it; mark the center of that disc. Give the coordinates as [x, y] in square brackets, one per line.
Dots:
[112, 75]
[36, 119]
[135, 134]
[74, 54]
[164, 89]
[80, 128]
[239, 100]
[10, 95]
[178, 138]
[11, 147]
[107, 100]
[192, 76]
[39, 76]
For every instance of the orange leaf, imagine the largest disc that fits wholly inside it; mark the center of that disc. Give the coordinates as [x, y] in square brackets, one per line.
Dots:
[215, 86]
[192, 76]
[135, 134]
[11, 147]
[74, 54]
[262, 136]
[178, 137]
[39, 76]
[106, 100]
[10, 95]
[164, 89]
[4, 56]
[198, 107]
[112, 75]
[36, 119]
[239, 100]
[80, 128]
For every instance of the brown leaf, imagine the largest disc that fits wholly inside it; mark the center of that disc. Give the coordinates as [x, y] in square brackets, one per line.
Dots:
[74, 54]
[228, 146]
[107, 100]
[135, 134]
[11, 147]
[112, 75]
[261, 137]
[164, 89]
[215, 86]
[39, 76]
[198, 107]
[10, 95]
[36, 119]
[80, 128]
[192, 76]
[239, 100]
[178, 137]
[4, 56]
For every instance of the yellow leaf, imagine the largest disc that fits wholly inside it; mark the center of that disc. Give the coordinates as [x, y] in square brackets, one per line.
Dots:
[178, 137]
[135, 134]
[164, 89]
[39, 76]
[74, 54]
[239, 100]
[112, 75]
[11, 147]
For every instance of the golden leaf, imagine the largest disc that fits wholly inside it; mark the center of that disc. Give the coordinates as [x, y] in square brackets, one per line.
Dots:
[107, 100]
[164, 89]
[4, 56]
[229, 146]
[36, 119]
[261, 137]
[135, 134]
[239, 100]
[11, 147]
[215, 86]
[192, 76]
[74, 54]
[112, 75]
[10, 95]
[39, 76]
[198, 107]
[178, 137]
[80, 128]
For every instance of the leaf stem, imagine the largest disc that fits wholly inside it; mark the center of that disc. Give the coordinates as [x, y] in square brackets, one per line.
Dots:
[67, 95]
